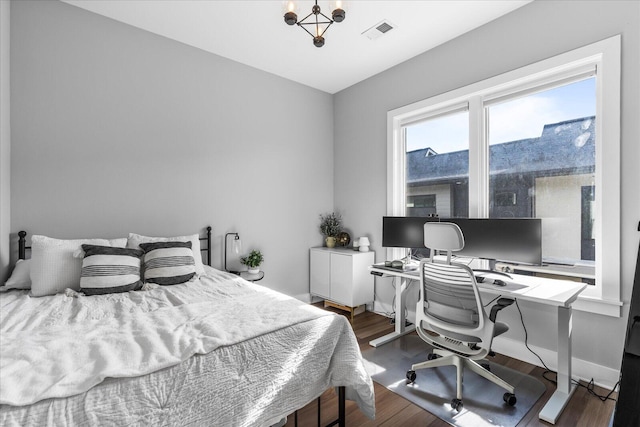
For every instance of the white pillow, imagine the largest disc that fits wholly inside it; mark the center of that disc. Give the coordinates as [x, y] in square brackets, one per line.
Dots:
[54, 267]
[20, 277]
[134, 241]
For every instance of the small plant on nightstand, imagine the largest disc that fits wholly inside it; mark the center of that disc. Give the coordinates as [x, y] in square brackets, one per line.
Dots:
[253, 261]
[330, 227]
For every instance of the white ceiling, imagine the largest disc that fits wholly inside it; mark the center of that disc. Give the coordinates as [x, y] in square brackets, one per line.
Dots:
[254, 33]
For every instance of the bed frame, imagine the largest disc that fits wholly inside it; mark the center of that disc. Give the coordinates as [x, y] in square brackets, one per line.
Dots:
[22, 244]
[340, 421]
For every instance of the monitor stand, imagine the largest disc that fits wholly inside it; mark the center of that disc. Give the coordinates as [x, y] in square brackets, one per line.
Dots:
[492, 269]
[410, 257]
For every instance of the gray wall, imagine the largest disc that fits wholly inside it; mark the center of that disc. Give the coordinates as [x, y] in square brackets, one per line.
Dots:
[5, 140]
[537, 31]
[117, 130]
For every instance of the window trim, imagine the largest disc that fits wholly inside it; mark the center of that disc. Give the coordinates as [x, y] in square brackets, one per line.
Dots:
[602, 58]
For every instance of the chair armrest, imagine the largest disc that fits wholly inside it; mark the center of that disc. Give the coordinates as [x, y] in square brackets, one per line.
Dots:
[500, 304]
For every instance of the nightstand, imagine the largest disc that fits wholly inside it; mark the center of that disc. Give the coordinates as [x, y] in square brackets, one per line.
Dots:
[251, 277]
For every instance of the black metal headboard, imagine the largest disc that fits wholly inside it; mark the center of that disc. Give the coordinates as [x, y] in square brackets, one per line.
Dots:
[208, 246]
[22, 245]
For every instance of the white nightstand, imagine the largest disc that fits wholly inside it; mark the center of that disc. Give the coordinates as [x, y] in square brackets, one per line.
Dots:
[341, 276]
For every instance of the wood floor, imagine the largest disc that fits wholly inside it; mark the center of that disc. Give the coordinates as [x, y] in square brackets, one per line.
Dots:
[583, 409]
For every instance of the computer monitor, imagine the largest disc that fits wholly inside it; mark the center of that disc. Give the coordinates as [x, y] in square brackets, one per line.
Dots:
[403, 231]
[514, 240]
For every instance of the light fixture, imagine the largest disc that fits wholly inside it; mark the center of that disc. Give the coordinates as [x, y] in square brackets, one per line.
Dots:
[314, 19]
[236, 248]
[364, 244]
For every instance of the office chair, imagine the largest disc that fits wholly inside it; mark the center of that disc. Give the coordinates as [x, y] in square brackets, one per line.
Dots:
[450, 315]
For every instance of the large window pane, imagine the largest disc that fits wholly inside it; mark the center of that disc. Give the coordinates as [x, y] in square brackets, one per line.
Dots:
[437, 166]
[542, 165]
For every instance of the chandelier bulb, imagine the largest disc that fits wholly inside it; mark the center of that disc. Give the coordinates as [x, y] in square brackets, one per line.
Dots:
[338, 15]
[290, 18]
[318, 41]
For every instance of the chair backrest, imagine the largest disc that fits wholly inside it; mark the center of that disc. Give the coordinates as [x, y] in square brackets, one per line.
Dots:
[450, 303]
[443, 236]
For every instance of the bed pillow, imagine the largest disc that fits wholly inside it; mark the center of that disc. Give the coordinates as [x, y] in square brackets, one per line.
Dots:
[107, 269]
[135, 240]
[53, 266]
[20, 277]
[168, 263]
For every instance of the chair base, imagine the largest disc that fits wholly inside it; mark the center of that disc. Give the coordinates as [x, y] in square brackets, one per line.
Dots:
[447, 358]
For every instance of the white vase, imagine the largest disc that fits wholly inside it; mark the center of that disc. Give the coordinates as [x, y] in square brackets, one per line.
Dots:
[253, 270]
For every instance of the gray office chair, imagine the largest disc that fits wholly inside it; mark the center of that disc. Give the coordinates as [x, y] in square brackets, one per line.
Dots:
[450, 315]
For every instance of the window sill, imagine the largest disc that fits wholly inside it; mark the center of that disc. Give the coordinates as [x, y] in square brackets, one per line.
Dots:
[598, 306]
[560, 271]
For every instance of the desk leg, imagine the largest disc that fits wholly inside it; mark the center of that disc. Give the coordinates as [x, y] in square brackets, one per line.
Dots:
[401, 329]
[554, 407]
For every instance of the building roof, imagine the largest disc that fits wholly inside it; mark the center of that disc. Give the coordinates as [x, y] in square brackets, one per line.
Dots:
[545, 155]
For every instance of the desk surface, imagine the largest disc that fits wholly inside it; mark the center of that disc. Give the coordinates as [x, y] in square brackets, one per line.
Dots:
[531, 288]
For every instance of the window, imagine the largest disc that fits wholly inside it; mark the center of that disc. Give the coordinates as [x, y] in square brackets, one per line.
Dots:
[437, 165]
[541, 155]
[541, 141]
[422, 205]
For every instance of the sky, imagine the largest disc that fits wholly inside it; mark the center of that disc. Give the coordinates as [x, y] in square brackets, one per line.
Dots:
[509, 121]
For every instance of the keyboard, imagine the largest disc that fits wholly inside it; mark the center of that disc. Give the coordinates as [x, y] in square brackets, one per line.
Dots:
[490, 280]
[404, 268]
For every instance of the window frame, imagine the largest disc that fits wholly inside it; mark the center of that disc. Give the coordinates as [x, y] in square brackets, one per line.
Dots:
[601, 59]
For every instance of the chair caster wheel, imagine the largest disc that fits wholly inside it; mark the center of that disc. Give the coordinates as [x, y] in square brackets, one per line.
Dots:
[456, 404]
[432, 356]
[411, 376]
[510, 399]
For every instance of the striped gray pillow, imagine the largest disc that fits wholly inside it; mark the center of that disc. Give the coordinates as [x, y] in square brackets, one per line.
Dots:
[107, 269]
[168, 263]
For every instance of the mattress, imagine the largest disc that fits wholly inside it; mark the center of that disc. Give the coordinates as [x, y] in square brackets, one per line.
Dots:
[238, 354]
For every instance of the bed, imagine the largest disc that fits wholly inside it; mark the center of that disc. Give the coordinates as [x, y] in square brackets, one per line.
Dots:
[215, 350]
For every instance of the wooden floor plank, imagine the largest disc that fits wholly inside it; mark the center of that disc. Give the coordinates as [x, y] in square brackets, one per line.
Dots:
[392, 410]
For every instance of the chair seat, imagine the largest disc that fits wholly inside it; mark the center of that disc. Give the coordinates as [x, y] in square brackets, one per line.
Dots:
[499, 329]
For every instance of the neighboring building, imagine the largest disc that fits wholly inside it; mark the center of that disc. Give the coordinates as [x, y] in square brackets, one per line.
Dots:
[535, 177]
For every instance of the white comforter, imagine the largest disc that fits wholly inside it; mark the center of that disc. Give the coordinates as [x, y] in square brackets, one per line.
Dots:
[138, 333]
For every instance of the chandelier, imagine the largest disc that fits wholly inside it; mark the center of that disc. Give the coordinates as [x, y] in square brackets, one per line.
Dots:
[315, 19]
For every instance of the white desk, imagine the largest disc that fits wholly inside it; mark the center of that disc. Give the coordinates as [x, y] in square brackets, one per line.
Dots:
[401, 299]
[558, 293]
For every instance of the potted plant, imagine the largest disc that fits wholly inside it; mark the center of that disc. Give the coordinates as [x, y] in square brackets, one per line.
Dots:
[253, 261]
[330, 227]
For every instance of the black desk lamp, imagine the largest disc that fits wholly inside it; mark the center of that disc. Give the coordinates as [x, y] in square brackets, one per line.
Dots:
[237, 245]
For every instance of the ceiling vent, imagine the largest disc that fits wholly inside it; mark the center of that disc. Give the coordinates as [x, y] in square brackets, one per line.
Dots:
[378, 30]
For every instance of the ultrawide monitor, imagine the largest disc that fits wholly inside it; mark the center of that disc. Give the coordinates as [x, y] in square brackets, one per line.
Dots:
[516, 240]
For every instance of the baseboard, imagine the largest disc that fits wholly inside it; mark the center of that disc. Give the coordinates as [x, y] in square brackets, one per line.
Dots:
[304, 298]
[314, 299]
[602, 376]
[308, 298]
